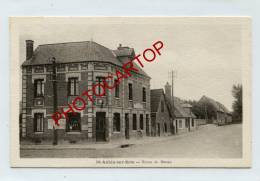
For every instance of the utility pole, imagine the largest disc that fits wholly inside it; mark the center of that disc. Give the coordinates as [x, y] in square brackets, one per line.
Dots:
[55, 106]
[172, 76]
[172, 87]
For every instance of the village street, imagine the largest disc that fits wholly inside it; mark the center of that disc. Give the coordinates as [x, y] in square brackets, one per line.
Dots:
[209, 141]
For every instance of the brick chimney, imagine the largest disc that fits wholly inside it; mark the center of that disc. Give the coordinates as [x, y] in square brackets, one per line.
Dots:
[29, 49]
[168, 89]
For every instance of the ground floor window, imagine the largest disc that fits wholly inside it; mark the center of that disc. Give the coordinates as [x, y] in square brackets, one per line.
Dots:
[73, 122]
[134, 122]
[141, 122]
[38, 122]
[116, 122]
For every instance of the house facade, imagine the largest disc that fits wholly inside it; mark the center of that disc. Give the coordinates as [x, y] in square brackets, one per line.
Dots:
[122, 113]
[161, 116]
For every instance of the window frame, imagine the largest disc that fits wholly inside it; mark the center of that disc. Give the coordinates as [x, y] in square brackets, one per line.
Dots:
[35, 122]
[144, 94]
[130, 91]
[99, 80]
[117, 88]
[73, 81]
[36, 88]
[68, 130]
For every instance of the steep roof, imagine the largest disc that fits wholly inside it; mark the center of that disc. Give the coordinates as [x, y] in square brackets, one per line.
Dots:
[223, 108]
[72, 52]
[178, 109]
[217, 105]
[155, 96]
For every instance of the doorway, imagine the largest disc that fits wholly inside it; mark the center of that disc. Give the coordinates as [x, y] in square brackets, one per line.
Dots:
[100, 126]
[127, 136]
[147, 125]
[158, 129]
[177, 126]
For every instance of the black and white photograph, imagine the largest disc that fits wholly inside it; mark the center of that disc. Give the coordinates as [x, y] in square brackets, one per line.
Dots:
[130, 92]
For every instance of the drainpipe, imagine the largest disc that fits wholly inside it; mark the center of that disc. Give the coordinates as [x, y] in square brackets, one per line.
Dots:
[55, 106]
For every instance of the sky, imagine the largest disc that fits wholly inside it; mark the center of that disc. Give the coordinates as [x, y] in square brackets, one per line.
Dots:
[206, 55]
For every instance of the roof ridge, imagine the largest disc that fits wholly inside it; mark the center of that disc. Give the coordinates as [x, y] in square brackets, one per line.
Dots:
[157, 89]
[67, 43]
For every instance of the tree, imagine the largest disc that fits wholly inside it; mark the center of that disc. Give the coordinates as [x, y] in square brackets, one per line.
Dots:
[238, 103]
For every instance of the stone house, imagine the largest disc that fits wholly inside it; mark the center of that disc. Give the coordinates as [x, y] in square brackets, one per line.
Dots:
[122, 113]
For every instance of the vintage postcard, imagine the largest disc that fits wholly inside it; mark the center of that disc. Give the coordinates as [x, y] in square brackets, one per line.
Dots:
[130, 91]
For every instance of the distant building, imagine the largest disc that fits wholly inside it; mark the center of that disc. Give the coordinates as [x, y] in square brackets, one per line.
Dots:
[121, 114]
[220, 114]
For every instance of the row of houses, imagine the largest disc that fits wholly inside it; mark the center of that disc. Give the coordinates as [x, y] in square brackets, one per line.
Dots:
[169, 115]
[130, 110]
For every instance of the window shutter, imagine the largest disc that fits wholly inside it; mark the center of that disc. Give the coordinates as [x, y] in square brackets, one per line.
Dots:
[35, 88]
[42, 87]
[77, 87]
[68, 88]
[35, 122]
